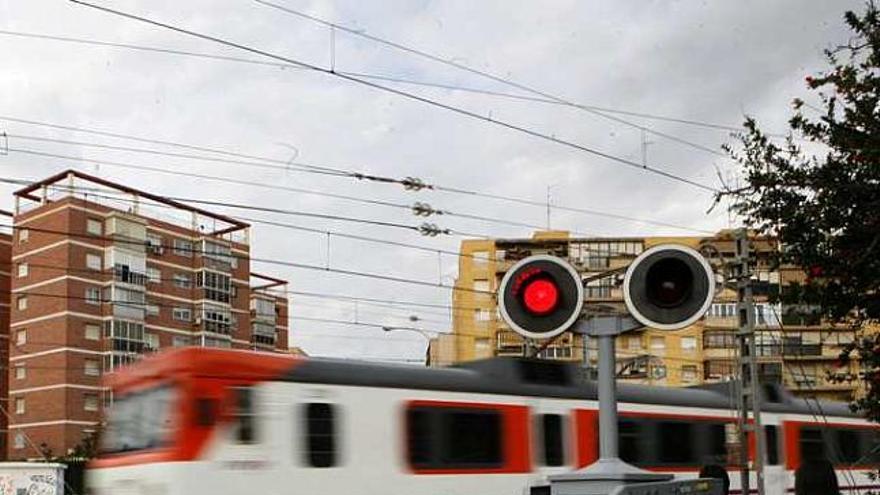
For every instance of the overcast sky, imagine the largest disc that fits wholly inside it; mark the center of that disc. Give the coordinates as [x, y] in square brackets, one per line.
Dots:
[704, 61]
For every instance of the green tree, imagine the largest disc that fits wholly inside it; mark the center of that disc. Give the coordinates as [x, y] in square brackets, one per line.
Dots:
[818, 192]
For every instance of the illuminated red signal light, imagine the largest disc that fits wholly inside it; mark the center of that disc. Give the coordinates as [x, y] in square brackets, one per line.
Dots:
[541, 296]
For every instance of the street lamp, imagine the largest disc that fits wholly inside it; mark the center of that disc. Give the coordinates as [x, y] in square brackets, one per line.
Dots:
[419, 331]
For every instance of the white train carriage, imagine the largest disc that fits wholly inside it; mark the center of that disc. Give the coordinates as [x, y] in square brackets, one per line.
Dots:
[196, 420]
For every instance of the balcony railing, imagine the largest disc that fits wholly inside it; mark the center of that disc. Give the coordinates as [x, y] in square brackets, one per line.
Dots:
[802, 350]
[124, 275]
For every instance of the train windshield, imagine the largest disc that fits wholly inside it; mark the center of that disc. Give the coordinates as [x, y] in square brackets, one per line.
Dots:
[139, 421]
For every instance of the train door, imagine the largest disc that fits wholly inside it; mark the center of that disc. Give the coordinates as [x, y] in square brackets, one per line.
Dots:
[552, 445]
[775, 476]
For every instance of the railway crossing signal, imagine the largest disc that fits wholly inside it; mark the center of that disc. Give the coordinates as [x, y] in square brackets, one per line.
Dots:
[667, 287]
[541, 296]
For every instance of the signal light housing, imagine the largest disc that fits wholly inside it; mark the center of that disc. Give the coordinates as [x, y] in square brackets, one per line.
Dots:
[669, 287]
[540, 297]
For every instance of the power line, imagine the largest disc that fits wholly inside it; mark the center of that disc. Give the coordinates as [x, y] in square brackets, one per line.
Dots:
[379, 302]
[492, 77]
[410, 183]
[290, 264]
[411, 96]
[122, 197]
[390, 78]
[412, 208]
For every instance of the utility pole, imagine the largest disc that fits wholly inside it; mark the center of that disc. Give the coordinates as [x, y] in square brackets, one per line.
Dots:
[645, 144]
[749, 399]
[549, 188]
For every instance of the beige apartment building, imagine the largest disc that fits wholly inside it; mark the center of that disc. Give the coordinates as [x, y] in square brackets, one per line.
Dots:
[795, 351]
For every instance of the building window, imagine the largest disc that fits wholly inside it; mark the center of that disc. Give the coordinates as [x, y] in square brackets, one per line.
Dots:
[20, 372]
[90, 402]
[93, 332]
[217, 286]
[481, 285]
[93, 261]
[320, 437]
[154, 275]
[152, 309]
[182, 281]
[19, 405]
[154, 244]
[94, 226]
[658, 343]
[482, 314]
[22, 270]
[91, 367]
[23, 235]
[482, 346]
[689, 344]
[183, 247]
[688, 373]
[634, 343]
[93, 295]
[152, 341]
[21, 337]
[180, 341]
[182, 314]
[21, 303]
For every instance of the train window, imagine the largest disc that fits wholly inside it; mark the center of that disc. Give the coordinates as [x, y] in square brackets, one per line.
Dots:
[675, 442]
[206, 411]
[812, 444]
[443, 438]
[245, 416]
[628, 441]
[847, 443]
[771, 438]
[320, 437]
[716, 452]
[551, 428]
[870, 447]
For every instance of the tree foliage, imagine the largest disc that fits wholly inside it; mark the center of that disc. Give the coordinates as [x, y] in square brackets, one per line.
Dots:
[818, 191]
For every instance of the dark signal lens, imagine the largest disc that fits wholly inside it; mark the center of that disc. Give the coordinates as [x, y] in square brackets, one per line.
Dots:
[540, 296]
[669, 282]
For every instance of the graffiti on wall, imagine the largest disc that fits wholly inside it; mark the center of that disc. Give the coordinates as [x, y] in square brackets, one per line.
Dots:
[22, 483]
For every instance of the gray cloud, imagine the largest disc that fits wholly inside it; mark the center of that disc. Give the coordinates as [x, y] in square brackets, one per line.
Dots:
[697, 60]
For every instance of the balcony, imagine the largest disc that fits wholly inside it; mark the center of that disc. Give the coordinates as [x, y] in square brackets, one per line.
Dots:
[215, 319]
[799, 350]
[123, 274]
[263, 334]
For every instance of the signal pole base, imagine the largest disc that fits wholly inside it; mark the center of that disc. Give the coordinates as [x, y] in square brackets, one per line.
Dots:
[602, 477]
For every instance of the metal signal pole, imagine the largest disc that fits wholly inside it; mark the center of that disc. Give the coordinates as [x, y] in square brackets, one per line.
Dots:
[749, 394]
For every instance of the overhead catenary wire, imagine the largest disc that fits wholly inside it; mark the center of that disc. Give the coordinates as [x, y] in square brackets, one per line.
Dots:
[485, 74]
[408, 95]
[290, 264]
[383, 77]
[408, 182]
[123, 197]
[400, 305]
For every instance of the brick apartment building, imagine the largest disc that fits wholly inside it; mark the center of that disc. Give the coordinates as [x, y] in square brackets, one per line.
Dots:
[5, 271]
[102, 274]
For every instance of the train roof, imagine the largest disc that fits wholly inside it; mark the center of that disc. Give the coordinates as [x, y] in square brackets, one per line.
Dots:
[502, 376]
[535, 378]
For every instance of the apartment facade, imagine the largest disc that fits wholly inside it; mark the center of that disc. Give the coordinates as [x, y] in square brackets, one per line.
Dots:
[5, 285]
[795, 352]
[103, 274]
